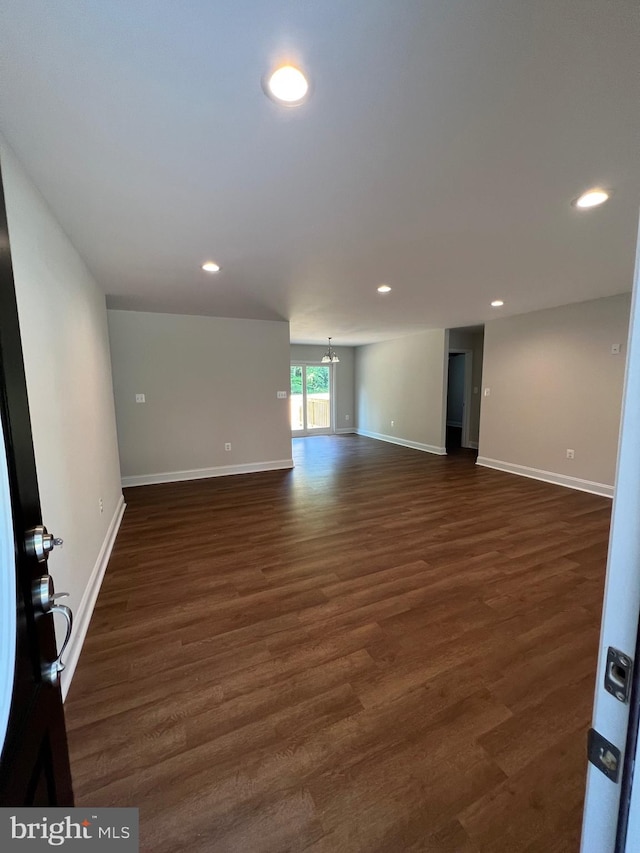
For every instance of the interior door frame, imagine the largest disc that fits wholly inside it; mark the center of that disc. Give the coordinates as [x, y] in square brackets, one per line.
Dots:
[330, 430]
[611, 819]
[468, 379]
[34, 758]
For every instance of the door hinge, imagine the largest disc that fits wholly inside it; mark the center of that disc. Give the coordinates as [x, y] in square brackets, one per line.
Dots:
[604, 755]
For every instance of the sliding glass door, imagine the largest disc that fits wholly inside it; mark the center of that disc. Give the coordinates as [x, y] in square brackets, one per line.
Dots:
[310, 399]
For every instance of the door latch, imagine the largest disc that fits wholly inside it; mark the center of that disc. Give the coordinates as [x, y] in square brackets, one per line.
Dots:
[604, 755]
[617, 674]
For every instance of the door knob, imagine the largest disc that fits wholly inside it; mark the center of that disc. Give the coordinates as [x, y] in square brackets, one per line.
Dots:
[44, 600]
[39, 542]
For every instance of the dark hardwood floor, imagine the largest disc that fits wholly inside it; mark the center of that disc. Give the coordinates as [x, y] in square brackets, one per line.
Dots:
[381, 650]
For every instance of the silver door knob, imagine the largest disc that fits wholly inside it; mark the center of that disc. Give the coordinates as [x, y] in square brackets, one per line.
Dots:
[44, 600]
[39, 542]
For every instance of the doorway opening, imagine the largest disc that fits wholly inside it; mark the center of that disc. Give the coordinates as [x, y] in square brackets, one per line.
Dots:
[311, 399]
[458, 406]
[464, 380]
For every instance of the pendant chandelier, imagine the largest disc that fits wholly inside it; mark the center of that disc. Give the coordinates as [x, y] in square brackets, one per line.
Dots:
[330, 356]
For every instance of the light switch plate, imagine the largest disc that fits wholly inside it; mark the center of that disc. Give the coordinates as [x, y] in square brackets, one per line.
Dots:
[282, 395]
[140, 398]
[615, 349]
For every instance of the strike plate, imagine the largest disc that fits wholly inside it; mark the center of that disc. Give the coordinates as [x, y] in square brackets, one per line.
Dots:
[617, 675]
[603, 755]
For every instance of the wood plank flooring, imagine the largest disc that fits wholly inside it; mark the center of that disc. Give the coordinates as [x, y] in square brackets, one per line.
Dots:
[381, 650]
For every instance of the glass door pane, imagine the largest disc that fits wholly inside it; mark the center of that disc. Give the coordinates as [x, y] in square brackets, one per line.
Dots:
[318, 394]
[296, 398]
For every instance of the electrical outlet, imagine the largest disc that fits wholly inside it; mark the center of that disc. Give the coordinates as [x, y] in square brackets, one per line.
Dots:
[615, 349]
[227, 445]
[347, 417]
[571, 454]
[393, 423]
[487, 392]
[101, 505]
[140, 398]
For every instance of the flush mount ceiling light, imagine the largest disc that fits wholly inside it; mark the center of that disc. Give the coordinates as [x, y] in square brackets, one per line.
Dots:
[497, 303]
[287, 85]
[210, 266]
[592, 198]
[384, 288]
[330, 356]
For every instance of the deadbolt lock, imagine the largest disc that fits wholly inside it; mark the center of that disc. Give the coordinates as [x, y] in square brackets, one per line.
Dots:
[39, 542]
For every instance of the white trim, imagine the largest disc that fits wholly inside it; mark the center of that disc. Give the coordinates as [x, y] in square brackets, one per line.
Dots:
[548, 477]
[403, 442]
[346, 430]
[82, 617]
[473, 445]
[204, 473]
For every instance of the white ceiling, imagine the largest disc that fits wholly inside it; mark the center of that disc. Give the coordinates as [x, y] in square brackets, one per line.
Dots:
[439, 153]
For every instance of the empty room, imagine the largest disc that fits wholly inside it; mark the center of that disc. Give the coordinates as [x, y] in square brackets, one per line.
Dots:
[319, 382]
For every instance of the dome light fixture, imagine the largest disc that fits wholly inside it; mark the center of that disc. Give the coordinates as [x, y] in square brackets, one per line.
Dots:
[384, 288]
[287, 85]
[592, 198]
[330, 356]
[497, 303]
[210, 266]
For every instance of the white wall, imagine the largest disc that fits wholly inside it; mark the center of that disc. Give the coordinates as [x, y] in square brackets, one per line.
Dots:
[207, 381]
[344, 380]
[66, 357]
[554, 384]
[404, 381]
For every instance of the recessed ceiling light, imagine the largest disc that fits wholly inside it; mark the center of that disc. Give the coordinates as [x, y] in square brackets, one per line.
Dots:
[210, 266]
[384, 288]
[592, 198]
[497, 303]
[287, 85]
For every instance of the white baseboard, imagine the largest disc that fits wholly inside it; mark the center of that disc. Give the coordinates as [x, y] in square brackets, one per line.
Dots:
[82, 617]
[346, 430]
[403, 442]
[548, 477]
[473, 445]
[204, 473]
